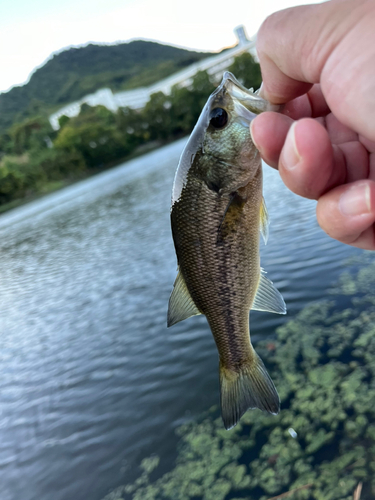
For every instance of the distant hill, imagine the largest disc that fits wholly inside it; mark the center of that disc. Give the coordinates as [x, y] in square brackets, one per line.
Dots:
[73, 73]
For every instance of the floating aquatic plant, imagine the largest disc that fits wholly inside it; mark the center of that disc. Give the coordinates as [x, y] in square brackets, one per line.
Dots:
[321, 445]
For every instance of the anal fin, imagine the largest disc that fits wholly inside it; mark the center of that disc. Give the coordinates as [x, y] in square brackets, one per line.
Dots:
[181, 305]
[267, 297]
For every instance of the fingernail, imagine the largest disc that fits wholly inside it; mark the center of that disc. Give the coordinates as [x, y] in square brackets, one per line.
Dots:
[356, 200]
[290, 156]
[261, 89]
[252, 137]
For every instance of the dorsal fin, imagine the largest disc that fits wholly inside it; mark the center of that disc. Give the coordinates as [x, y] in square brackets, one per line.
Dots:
[181, 305]
[267, 297]
[264, 221]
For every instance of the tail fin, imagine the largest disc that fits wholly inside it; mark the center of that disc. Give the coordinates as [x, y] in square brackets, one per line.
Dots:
[251, 387]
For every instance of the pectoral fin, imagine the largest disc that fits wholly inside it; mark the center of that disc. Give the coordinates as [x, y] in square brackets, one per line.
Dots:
[232, 214]
[181, 305]
[268, 298]
[264, 221]
[231, 198]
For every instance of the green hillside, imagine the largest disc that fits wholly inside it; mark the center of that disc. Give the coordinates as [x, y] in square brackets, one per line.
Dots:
[34, 159]
[75, 72]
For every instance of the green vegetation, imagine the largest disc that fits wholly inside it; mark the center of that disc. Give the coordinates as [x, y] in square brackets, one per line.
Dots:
[35, 159]
[73, 73]
[321, 445]
[247, 71]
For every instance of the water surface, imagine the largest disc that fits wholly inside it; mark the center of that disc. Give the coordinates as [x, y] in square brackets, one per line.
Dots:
[92, 381]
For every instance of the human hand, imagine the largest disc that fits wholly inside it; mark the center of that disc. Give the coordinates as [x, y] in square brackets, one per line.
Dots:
[320, 60]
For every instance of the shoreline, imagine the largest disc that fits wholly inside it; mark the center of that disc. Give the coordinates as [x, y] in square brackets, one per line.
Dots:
[100, 183]
[55, 186]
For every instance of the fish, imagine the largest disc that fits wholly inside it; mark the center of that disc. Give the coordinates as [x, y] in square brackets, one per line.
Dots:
[217, 215]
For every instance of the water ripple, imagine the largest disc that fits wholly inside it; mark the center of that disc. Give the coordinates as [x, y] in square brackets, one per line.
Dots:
[92, 380]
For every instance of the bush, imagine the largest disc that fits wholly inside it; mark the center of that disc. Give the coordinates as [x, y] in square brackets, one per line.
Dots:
[54, 165]
[23, 175]
[96, 143]
[16, 178]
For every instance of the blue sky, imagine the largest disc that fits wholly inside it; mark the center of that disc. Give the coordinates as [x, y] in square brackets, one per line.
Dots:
[31, 30]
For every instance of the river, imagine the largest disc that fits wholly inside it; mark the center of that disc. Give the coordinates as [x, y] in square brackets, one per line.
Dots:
[92, 381]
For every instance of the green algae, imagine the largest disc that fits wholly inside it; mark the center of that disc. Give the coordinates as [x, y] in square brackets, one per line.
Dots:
[323, 364]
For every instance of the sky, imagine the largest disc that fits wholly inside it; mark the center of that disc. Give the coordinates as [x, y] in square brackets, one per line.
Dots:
[31, 30]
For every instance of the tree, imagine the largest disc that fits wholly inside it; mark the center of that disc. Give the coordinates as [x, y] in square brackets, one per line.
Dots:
[247, 71]
[97, 114]
[63, 120]
[131, 126]
[182, 110]
[93, 134]
[30, 134]
[188, 102]
[6, 144]
[202, 87]
[157, 115]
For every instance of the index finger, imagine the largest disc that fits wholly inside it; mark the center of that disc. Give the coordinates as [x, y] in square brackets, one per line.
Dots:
[310, 105]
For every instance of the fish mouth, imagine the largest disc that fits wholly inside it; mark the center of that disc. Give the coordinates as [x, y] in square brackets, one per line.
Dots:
[247, 103]
[247, 97]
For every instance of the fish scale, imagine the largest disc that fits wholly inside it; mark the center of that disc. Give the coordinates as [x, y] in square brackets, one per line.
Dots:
[216, 216]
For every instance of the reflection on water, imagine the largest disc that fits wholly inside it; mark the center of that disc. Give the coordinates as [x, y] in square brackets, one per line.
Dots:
[91, 379]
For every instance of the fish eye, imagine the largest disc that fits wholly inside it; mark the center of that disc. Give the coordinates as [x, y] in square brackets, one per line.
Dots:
[218, 118]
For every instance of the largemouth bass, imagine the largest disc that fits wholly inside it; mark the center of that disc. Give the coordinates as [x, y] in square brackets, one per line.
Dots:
[217, 215]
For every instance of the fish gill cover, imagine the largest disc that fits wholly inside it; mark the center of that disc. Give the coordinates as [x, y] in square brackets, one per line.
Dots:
[322, 444]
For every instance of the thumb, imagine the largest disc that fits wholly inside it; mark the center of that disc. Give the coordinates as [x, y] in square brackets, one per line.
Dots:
[333, 44]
